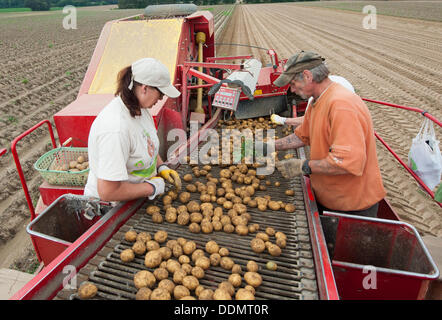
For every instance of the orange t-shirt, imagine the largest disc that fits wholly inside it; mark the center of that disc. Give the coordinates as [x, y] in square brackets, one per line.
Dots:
[338, 128]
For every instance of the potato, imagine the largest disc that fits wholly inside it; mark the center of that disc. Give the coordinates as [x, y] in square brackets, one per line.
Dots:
[252, 266]
[226, 263]
[194, 227]
[184, 197]
[150, 210]
[281, 235]
[72, 164]
[181, 209]
[212, 247]
[228, 228]
[160, 294]
[190, 282]
[197, 254]
[179, 275]
[289, 192]
[202, 262]
[252, 228]
[270, 231]
[177, 251]
[139, 248]
[223, 252]
[227, 286]
[187, 177]
[244, 294]
[167, 284]
[183, 218]
[152, 245]
[250, 288]
[262, 207]
[144, 278]
[171, 215]
[252, 278]
[206, 227]
[165, 252]
[130, 236]
[167, 200]
[193, 206]
[274, 250]
[183, 259]
[274, 205]
[87, 290]
[228, 205]
[242, 230]
[180, 291]
[188, 298]
[187, 267]
[271, 265]
[172, 266]
[206, 294]
[221, 294]
[157, 218]
[80, 159]
[290, 208]
[143, 237]
[143, 294]
[217, 226]
[196, 217]
[161, 273]
[257, 245]
[263, 236]
[191, 188]
[215, 259]
[277, 184]
[197, 272]
[252, 203]
[235, 279]
[160, 236]
[153, 259]
[127, 255]
[280, 242]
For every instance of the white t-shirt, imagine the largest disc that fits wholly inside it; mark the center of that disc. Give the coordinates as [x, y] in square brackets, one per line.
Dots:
[121, 147]
[338, 79]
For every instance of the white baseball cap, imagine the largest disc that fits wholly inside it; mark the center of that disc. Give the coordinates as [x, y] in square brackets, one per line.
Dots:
[152, 72]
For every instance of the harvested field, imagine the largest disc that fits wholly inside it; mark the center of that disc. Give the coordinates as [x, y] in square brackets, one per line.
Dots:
[42, 66]
[399, 62]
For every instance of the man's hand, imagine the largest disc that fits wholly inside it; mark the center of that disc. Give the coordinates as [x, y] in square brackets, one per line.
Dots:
[170, 175]
[290, 168]
[277, 119]
[158, 186]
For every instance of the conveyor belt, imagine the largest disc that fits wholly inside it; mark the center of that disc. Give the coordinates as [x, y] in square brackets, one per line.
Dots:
[294, 278]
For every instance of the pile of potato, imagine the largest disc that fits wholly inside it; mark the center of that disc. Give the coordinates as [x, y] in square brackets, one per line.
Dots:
[176, 266]
[80, 164]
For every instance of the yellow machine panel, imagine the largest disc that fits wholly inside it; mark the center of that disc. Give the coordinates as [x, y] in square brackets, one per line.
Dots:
[132, 40]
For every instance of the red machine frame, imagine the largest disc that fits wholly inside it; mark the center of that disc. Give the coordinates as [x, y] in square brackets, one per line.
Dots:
[49, 281]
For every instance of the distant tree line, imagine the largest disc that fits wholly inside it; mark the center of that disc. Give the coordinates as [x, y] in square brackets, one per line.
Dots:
[40, 5]
[132, 4]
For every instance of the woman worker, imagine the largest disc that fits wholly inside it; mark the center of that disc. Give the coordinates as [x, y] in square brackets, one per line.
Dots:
[123, 143]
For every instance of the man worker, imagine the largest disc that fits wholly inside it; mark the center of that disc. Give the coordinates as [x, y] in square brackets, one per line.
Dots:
[343, 165]
[298, 120]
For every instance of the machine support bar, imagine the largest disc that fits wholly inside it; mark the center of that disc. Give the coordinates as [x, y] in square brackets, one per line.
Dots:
[214, 65]
[211, 59]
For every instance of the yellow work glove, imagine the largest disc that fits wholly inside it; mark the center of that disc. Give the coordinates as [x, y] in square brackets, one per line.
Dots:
[170, 176]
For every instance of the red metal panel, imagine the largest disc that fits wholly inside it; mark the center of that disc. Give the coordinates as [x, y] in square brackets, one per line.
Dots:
[49, 193]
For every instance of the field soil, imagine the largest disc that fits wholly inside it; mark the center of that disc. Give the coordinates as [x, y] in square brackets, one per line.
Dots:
[399, 62]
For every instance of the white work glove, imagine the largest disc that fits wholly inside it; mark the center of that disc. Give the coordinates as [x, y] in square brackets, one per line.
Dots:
[158, 186]
[290, 168]
[277, 119]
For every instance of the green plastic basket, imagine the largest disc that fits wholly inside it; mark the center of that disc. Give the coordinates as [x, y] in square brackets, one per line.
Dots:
[49, 163]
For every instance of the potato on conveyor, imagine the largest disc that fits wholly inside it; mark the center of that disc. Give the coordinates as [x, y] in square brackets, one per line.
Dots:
[181, 209]
[289, 192]
[191, 188]
[177, 250]
[139, 248]
[143, 237]
[144, 278]
[228, 228]
[290, 208]
[172, 266]
[274, 250]
[203, 262]
[171, 215]
[187, 267]
[180, 291]
[183, 218]
[190, 282]
[226, 285]
[167, 200]
[143, 294]
[152, 245]
[197, 254]
[130, 236]
[167, 284]
[221, 294]
[127, 255]
[212, 247]
[270, 231]
[189, 247]
[87, 290]
[217, 226]
[194, 227]
[193, 206]
[235, 279]
[280, 242]
[183, 259]
[184, 197]
[206, 294]
[263, 236]
[275, 206]
[252, 266]
[197, 272]
[250, 288]
[157, 218]
[215, 259]
[226, 263]
[188, 298]
[206, 227]
[253, 278]
[153, 259]
[160, 294]
[271, 265]
[166, 253]
[160, 236]
[257, 245]
[150, 210]
[187, 177]
[161, 274]
[236, 269]
[243, 294]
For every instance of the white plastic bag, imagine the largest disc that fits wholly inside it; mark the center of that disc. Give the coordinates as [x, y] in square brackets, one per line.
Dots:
[424, 157]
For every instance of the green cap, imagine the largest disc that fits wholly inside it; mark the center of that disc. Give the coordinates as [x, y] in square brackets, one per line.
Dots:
[304, 60]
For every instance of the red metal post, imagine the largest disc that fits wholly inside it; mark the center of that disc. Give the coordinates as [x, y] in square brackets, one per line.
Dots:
[17, 161]
[2, 152]
[211, 59]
